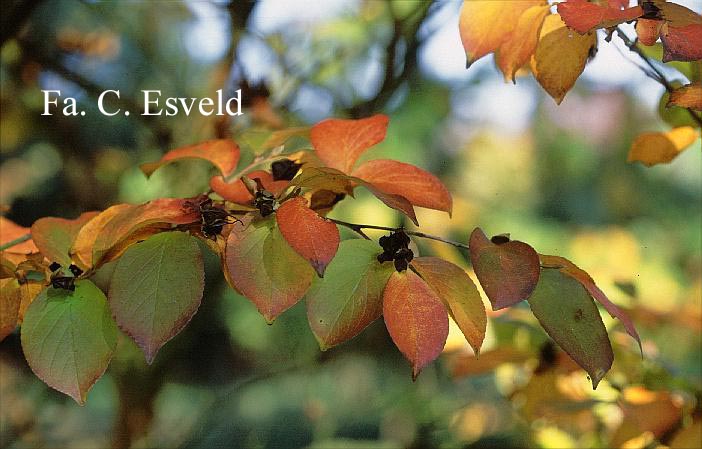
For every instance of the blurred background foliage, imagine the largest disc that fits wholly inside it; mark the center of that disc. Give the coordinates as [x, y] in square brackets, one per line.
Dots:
[515, 162]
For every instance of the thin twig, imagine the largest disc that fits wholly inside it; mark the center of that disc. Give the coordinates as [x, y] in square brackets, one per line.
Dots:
[15, 242]
[660, 76]
[358, 228]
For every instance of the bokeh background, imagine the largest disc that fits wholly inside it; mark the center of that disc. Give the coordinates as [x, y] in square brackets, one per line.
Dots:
[554, 176]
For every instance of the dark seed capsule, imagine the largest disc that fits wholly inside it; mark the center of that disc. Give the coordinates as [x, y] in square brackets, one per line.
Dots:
[284, 169]
[54, 266]
[401, 264]
[75, 270]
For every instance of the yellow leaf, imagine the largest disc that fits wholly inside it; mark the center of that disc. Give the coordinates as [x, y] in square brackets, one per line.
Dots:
[689, 96]
[521, 44]
[485, 24]
[560, 57]
[660, 148]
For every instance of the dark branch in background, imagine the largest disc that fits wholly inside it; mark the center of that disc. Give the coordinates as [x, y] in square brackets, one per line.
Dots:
[14, 16]
[659, 76]
[36, 52]
[407, 29]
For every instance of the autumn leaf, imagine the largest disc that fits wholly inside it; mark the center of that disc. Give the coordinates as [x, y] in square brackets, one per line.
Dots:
[569, 268]
[560, 57]
[350, 296]
[661, 147]
[420, 187]
[682, 43]
[679, 27]
[583, 16]
[15, 297]
[458, 293]
[68, 338]
[236, 191]
[265, 269]
[688, 96]
[516, 51]
[10, 231]
[569, 315]
[55, 236]
[223, 154]
[156, 289]
[324, 178]
[485, 24]
[508, 272]
[416, 319]
[128, 224]
[648, 31]
[82, 249]
[338, 143]
[279, 137]
[392, 200]
[314, 238]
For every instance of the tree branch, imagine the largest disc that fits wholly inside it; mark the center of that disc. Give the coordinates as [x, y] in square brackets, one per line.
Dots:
[660, 76]
[358, 228]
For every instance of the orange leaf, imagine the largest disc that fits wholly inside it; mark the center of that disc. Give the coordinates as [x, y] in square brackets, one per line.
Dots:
[485, 24]
[339, 143]
[223, 154]
[560, 57]
[688, 96]
[311, 236]
[648, 31]
[660, 148]
[508, 272]
[128, 222]
[9, 306]
[392, 200]
[517, 50]
[676, 15]
[416, 319]
[10, 231]
[420, 187]
[55, 236]
[236, 191]
[583, 16]
[82, 249]
[682, 43]
[580, 275]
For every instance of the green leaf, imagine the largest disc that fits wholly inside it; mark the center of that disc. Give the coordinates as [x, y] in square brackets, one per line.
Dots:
[265, 269]
[156, 289]
[69, 337]
[55, 236]
[569, 315]
[459, 294]
[350, 296]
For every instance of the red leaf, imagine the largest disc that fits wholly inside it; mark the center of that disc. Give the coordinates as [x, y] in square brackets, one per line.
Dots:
[508, 272]
[580, 275]
[420, 187]
[10, 231]
[55, 236]
[311, 236]
[392, 200]
[339, 143]
[223, 154]
[416, 319]
[682, 43]
[236, 191]
[648, 31]
[583, 16]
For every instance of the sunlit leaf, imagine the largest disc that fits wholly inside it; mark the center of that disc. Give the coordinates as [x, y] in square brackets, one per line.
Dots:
[661, 147]
[459, 294]
[265, 269]
[569, 315]
[314, 238]
[420, 187]
[583, 16]
[156, 289]
[55, 236]
[688, 96]
[485, 24]
[560, 57]
[223, 154]
[580, 275]
[338, 143]
[516, 51]
[10, 231]
[416, 319]
[324, 178]
[508, 272]
[9, 306]
[350, 296]
[648, 31]
[69, 337]
[279, 137]
[127, 223]
[82, 250]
